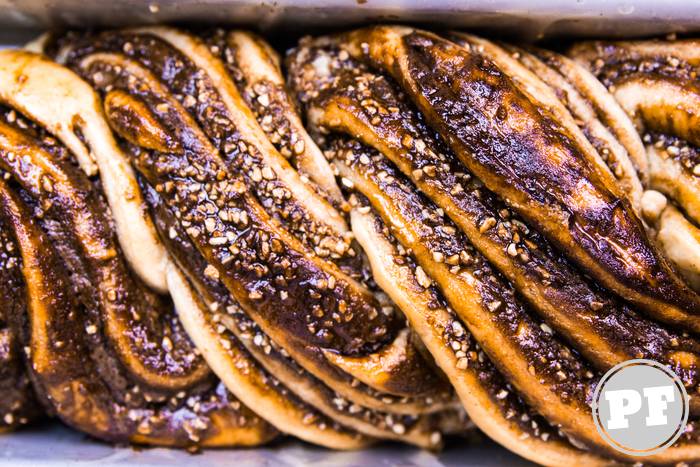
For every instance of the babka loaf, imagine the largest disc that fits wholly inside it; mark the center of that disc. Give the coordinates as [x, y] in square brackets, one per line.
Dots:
[408, 235]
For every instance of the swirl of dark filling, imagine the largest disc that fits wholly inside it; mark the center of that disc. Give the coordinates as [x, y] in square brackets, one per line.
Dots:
[107, 355]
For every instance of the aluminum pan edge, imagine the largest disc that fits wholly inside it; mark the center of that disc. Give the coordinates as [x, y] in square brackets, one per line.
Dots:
[545, 18]
[53, 445]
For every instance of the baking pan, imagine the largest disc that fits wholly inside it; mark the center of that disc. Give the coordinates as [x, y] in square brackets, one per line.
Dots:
[512, 17]
[53, 445]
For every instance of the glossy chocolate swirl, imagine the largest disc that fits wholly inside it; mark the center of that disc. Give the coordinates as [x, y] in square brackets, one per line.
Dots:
[655, 82]
[17, 405]
[108, 356]
[347, 97]
[457, 214]
[538, 165]
[443, 238]
[576, 97]
[263, 246]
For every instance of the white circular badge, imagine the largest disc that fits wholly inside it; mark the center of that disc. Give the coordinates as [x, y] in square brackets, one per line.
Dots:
[640, 407]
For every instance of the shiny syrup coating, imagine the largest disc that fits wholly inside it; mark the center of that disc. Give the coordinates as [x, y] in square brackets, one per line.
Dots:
[233, 321]
[433, 238]
[225, 222]
[361, 100]
[107, 355]
[354, 100]
[159, 140]
[191, 86]
[469, 356]
[519, 152]
[18, 405]
[65, 363]
[75, 217]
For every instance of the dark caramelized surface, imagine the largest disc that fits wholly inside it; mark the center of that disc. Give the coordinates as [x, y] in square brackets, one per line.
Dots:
[453, 215]
[17, 405]
[264, 269]
[352, 99]
[259, 259]
[520, 153]
[107, 355]
[478, 234]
